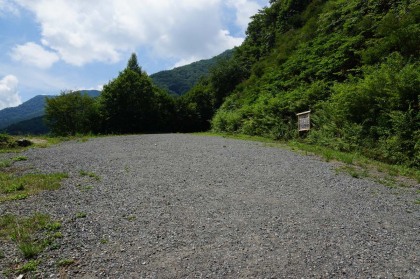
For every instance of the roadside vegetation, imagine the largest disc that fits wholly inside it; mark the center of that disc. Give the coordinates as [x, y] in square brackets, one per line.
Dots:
[353, 163]
[32, 234]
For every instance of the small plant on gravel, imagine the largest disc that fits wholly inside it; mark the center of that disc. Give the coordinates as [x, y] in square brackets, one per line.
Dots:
[5, 163]
[104, 241]
[131, 218]
[84, 188]
[13, 187]
[65, 262]
[30, 266]
[30, 249]
[90, 174]
[81, 215]
[353, 171]
[20, 158]
[31, 234]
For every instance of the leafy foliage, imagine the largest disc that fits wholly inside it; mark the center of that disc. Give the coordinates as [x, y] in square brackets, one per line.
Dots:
[132, 104]
[71, 113]
[353, 63]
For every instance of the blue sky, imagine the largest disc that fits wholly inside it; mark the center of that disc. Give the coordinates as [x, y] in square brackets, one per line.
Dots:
[50, 46]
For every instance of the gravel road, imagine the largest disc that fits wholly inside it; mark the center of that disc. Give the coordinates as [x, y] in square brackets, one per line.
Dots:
[186, 206]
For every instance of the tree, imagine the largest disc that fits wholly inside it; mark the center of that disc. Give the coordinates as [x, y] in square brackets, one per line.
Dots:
[134, 65]
[128, 102]
[71, 113]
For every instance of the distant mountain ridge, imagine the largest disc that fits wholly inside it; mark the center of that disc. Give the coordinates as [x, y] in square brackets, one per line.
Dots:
[180, 80]
[33, 108]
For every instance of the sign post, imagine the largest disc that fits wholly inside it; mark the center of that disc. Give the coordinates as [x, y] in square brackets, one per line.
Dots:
[304, 121]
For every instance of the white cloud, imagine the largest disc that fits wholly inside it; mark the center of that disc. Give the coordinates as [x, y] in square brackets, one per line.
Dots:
[244, 10]
[82, 31]
[7, 7]
[9, 95]
[34, 54]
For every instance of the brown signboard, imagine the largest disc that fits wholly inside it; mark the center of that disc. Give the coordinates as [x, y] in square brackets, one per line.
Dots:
[304, 121]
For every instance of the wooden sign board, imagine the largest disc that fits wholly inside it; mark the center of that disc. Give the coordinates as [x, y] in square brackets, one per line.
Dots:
[304, 121]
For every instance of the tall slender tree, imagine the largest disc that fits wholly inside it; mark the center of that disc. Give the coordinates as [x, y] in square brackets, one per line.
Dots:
[128, 102]
[134, 65]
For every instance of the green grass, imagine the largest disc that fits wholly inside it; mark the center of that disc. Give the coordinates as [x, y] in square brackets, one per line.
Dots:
[361, 166]
[8, 142]
[30, 234]
[65, 262]
[5, 163]
[14, 187]
[84, 188]
[81, 215]
[89, 174]
[20, 158]
[30, 266]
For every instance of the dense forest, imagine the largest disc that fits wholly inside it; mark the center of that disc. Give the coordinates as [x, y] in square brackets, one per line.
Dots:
[354, 64]
[180, 80]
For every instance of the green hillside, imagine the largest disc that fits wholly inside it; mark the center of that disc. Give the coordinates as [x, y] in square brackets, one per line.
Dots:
[354, 64]
[181, 79]
[33, 126]
[31, 110]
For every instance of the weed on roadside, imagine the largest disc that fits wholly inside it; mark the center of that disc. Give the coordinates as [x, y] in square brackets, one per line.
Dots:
[81, 215]
[89, 174]
[5, 163]
[13, 187]
[84, 188]
[20, 158]
[65, 262]
[353, 171]
[31, 234]
[30, 266]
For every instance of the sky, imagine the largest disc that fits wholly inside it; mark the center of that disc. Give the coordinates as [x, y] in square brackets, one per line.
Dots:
[48, 46]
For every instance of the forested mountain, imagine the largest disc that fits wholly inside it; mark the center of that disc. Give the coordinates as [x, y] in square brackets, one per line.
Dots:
[33, 126]
[33, 108]
[181, 79]
[29, 109]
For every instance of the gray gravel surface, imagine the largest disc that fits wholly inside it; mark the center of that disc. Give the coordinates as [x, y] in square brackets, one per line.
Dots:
[184, 206]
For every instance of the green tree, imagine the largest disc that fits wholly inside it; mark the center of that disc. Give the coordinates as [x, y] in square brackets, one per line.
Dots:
[134, 65]
[71, 113]
[128, 102]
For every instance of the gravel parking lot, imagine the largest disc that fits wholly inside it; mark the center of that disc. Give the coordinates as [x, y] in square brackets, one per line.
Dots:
[186, 206]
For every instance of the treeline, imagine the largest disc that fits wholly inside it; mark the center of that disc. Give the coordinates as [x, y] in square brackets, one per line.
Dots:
[131, 103]
[353, 63]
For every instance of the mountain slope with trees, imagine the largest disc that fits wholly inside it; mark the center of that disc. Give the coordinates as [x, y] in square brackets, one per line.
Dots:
[33, 108]
[29, 109]
[180, 80]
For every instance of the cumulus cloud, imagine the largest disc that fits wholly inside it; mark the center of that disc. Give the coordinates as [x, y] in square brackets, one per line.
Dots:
[34, 54]
[244, 10]
[9, 95]
[7, 7]
[84, 31]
